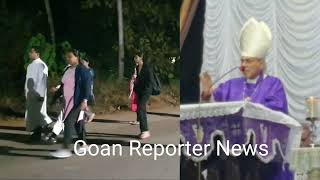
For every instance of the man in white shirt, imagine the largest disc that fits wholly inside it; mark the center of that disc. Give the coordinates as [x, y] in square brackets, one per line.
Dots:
[36, 95]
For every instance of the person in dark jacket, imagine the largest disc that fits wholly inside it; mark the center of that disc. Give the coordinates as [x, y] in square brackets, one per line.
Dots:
[76, 92]
[89, 115]
[143, 89]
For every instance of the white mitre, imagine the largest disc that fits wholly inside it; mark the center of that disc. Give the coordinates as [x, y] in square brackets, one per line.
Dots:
[255, 39]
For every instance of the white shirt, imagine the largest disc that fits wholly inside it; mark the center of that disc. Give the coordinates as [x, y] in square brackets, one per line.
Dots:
[37, 72]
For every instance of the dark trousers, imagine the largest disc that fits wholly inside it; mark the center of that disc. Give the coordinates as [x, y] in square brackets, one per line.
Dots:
[70, 124]
[142, 111]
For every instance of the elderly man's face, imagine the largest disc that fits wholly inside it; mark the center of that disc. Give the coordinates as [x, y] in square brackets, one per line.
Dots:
[252, 67]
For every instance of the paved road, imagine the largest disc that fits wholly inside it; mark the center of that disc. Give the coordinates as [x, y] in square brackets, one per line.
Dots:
[24, 161]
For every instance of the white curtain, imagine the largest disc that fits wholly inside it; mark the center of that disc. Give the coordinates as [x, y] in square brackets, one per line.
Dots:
[295, 54]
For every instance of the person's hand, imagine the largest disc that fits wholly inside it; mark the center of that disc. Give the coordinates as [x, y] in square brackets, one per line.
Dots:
[206, 81]
[53, 90]
[135, 72]
[206, 84]
[41, 99]
[306, 137]
[84, 106]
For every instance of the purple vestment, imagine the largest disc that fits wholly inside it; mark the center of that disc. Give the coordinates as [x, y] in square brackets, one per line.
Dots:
[267, 90]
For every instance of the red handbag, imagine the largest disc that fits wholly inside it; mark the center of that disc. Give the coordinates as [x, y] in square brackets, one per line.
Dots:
[133, 102]
[133, 97]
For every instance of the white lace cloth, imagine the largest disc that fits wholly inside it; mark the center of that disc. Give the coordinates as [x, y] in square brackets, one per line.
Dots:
[192, 111]
[250, 110]
[304, 160]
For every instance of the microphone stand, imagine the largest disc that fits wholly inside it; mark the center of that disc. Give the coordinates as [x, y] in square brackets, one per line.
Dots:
[232, 69]
[198, 135]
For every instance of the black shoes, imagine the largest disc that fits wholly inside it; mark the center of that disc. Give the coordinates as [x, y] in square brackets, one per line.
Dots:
[35, 136]
[49, 139]
[43, 136]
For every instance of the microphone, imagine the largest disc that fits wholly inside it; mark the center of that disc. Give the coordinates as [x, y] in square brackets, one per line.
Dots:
[241, 68]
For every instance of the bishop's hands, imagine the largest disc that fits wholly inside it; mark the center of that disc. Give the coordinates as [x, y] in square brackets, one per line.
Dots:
[306, 137]
[207, 86]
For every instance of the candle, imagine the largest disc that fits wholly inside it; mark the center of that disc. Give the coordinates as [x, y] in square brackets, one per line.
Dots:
[312, 107]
